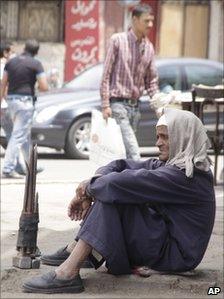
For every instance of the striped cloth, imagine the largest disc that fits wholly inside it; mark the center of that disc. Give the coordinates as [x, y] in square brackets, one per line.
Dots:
[129, 68]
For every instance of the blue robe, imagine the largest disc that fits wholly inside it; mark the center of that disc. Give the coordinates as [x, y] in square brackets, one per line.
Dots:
[147, 213]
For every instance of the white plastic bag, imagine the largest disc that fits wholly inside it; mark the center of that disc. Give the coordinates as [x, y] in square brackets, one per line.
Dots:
[106, 143]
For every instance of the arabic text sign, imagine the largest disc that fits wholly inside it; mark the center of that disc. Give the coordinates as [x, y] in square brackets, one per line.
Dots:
[81, 36]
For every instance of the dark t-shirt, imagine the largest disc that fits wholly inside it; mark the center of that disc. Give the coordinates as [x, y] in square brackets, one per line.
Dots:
[22, 73]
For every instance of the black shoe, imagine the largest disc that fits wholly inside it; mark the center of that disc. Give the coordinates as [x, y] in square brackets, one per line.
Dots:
[11, 175]
[50, 284]
[57, 258]
[22, 172]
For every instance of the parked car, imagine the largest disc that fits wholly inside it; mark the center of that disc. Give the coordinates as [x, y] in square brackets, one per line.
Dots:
[62, 117]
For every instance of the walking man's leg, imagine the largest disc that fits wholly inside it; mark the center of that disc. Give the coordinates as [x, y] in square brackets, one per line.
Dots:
[120, 113]
[7, 126]
[71, 267]
[20, 137]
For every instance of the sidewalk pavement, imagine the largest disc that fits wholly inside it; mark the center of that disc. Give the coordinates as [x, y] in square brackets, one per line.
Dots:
[56, 188]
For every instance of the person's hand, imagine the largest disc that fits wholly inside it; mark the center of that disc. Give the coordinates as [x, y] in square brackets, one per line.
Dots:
[86, 204]
[81, 203]
[75, 209]
[81, 190]
[78, 208]
[107, 112]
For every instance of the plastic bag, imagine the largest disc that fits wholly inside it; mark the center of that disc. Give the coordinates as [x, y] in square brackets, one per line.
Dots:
[106, 143]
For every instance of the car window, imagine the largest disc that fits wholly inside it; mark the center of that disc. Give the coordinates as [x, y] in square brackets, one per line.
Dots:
[203, 74]
[89, 79]
[169, 78]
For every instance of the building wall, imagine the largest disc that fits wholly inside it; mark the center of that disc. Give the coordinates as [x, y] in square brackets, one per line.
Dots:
[43, 20]
[216, 37]
[195, 38]
[184, 27]
[9, 19]
[171, 30]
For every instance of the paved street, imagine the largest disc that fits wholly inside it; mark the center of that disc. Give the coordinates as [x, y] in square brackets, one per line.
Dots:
[56, 186]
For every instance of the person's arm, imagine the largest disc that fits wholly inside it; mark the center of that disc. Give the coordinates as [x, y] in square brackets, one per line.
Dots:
[108, 68]
[122, 164]
[151, 78]
[41, 77]
[42, 82]
[80, 204]
[163, 185]
[4, 84]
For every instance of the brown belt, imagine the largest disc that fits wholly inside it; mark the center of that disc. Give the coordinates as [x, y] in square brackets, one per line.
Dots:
[130, 102]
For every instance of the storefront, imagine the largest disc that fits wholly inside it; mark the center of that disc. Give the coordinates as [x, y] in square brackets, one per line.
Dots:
[88, 26]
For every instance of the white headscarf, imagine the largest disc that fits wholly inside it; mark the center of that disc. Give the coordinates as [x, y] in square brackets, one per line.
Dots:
[162, 121]
[188, 141]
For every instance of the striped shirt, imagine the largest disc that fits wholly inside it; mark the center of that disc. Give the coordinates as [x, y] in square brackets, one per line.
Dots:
[129, 68]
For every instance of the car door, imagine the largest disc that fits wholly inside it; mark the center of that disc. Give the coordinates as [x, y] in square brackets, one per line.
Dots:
[170, 77]
[202, 74]
[146, 130]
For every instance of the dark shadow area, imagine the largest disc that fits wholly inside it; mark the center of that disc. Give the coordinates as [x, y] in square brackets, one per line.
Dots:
[49, 156]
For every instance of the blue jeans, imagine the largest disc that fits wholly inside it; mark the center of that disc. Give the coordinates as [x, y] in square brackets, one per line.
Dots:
[127, 117]
[20, 109]
[7, 126]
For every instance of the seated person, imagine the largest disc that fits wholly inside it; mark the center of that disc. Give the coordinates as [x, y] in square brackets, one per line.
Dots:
[158, 213]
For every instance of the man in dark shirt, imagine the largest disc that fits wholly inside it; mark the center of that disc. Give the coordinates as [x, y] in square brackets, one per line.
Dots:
[7, 53]
[20, 75]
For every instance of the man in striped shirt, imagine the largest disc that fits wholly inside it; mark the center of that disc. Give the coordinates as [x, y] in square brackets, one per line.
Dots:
[129, 69]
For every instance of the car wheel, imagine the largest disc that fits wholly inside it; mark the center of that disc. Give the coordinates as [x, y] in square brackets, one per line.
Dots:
[3, 142]
[78, 138]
